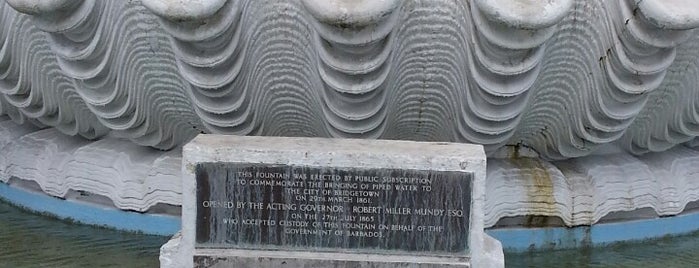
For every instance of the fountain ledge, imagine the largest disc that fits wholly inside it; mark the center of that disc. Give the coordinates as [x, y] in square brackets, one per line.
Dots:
[581, 208]
[90, 214]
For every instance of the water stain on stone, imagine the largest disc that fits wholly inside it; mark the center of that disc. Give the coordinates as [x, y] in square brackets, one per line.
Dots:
[539, 185]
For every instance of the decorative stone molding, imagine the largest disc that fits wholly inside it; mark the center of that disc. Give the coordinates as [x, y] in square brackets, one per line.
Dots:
[560, 77]
[354, 41]
[583, 191]
[94, 67]
[580, 191]
[600, 75]
[129, 176]
[508, 45]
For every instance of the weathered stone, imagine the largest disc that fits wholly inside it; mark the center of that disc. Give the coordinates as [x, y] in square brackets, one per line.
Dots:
[329, 202]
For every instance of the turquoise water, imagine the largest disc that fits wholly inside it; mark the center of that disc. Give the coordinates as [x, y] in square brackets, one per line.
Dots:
[29, 240]
[672, 252]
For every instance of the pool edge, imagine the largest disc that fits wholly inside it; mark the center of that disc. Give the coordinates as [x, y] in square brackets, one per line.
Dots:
[89, 214]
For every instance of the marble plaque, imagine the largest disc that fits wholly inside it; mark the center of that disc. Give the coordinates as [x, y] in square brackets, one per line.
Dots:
[283, 207]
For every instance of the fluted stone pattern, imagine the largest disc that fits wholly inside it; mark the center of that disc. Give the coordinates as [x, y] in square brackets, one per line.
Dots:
[584, 190]
[602, 94]
[129, 176]
[581, 191]
[92, 67]
[560, 77]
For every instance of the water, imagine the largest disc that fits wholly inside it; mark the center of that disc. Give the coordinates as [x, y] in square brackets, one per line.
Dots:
[29, 240]
[675, 252]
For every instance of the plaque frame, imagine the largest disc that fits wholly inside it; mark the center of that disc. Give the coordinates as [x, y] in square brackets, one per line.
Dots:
[341, 153]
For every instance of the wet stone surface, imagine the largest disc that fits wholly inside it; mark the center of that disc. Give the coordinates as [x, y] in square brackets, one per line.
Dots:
[253, 206]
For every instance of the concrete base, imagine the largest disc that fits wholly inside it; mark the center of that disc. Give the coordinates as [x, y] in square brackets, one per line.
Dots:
[172, 257]
[255, 258]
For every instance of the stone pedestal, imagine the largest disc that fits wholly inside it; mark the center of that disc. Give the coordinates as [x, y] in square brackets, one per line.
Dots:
[310, 202]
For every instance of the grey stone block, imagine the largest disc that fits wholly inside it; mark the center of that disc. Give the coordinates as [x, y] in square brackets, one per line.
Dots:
[226, 181]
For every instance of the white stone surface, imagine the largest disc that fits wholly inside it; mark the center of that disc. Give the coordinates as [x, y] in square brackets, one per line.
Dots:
[527, 14]
[131, 176]
[184, 10]
[580, 191]
[525, 186]
[169, 257]
[583, 191]
[350, 12]
[671, 14]
[41, 7]
[352, 153]
[562, 77]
